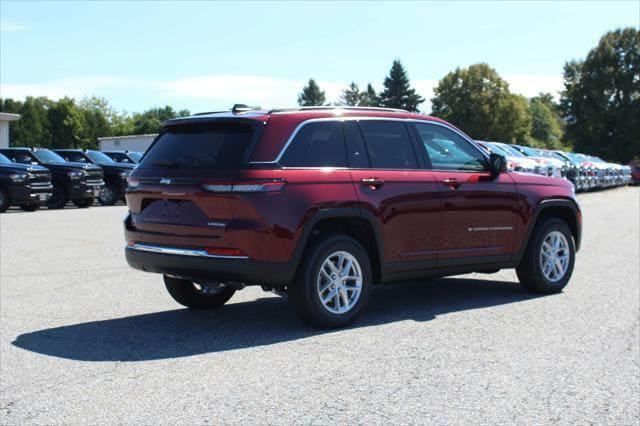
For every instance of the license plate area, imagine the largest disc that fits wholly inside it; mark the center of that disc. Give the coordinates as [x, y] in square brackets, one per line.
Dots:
[173, 212]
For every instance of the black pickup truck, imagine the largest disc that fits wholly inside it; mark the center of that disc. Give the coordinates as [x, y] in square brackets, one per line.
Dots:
[76, 182]
[115, 174]
[27, 186]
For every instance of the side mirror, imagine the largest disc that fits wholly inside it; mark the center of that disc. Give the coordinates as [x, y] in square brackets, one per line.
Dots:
[497, 164]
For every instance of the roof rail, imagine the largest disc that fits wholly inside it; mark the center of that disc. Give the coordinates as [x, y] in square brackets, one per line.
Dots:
[330, 107]
[207, 113]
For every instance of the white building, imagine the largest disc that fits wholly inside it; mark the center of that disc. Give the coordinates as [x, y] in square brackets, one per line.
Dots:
[5, 118]
[126, 143]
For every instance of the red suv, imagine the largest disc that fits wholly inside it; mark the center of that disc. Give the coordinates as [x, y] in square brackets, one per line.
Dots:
[324, 202]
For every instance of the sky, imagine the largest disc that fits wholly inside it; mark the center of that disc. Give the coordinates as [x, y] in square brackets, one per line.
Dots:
[206, 56]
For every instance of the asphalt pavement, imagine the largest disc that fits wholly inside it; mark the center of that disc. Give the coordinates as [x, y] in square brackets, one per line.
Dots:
[86, 339]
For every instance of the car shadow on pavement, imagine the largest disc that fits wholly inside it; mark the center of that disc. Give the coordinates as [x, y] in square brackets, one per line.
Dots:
[266, 321]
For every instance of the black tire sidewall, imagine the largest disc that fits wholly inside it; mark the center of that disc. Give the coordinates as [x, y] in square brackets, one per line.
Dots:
[62, 198]
[305, 295]
[541, 281]
[6, 202]
[183, 292]
[115, 195]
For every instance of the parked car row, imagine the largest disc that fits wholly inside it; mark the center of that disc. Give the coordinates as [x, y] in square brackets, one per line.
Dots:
[586, 172]
[32, 177]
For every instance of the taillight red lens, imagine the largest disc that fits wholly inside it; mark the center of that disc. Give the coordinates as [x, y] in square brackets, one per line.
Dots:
[245, 186]
[222, 251]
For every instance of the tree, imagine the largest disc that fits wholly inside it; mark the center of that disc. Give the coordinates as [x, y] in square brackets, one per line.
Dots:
[477, 100]
[369, 97]
[151, 120]
[66, 124]
[33, 127]
[397, 91]
[545, 126]
[351, 96]
[311, 95]
[601, 100]
[97, 115]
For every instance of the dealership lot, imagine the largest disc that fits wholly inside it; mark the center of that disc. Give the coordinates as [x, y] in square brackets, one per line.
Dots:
[86, 339]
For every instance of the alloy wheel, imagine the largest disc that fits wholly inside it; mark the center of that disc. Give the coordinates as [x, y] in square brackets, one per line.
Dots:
[339, 282]
[554, 256]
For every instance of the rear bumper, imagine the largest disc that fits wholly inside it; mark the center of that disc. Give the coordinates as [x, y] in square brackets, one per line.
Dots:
[197, 266]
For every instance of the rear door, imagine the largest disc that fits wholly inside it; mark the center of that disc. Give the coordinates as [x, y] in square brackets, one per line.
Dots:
[479, 213]
[394, 188]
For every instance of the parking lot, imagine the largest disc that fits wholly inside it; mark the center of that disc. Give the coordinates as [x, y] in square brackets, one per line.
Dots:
[86, 339]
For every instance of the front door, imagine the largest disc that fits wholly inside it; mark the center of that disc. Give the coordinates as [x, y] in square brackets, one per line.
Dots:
[478, 212]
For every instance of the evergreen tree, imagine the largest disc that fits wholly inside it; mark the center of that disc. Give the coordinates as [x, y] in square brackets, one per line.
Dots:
[351, 96]
[369, 97]
[397, 91]
[311, 95]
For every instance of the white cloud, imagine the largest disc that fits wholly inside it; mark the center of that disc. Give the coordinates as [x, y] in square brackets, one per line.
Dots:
[12, 27]
[530, 85]
[220, 91]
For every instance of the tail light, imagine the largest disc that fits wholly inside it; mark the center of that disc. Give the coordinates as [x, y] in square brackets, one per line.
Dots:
[222, 251]
[245, 186]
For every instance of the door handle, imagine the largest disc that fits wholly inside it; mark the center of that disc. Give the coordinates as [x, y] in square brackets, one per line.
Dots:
[372, 183]
[452, 183]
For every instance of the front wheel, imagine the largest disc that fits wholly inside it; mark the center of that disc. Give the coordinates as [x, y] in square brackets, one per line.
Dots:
[333, 283]
[4, 200]
[198, 295]
[83, 203]
[31, 207]
[548, 261]
[109, 195]
[58, 198]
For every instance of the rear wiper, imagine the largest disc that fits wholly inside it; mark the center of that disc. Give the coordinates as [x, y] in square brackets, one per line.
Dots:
[165, 163]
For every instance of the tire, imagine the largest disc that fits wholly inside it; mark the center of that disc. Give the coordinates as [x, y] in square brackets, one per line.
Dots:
[187, 294]
[109, 195]
[305, 291]
[58, 198]
[83, 203]
[530, 271]
[5, 202]
[31, 207]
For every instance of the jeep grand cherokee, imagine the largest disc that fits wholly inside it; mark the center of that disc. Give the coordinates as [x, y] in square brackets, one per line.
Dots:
[322, 203]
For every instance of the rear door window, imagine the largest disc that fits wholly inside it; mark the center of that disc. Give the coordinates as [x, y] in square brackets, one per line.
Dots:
[388, 145]
[201, 146]
[319, 144]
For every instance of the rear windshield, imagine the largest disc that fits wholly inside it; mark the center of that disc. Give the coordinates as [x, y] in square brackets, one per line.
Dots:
[203, 146]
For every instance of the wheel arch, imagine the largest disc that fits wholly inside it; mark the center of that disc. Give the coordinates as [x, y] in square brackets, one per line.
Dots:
[564, 209]
[348, 221]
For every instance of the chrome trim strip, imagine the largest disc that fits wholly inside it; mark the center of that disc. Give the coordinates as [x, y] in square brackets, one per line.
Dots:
[358, 118]
[179, 251]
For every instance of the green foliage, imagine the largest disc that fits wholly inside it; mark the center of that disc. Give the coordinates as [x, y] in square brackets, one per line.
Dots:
[369, 98]
[311, 95]
[545, 124]
[601, 100]
[33, 127]
[351, 96]
[397, 91]
[477, 100]
[66, 124]
[151, 120]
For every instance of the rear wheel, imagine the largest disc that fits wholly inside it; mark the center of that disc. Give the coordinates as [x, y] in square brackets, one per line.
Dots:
[4, 200]
[109, 195]
[333, 283]
[198, 295]
[58, 198]
[547, 263]
[83, 203]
